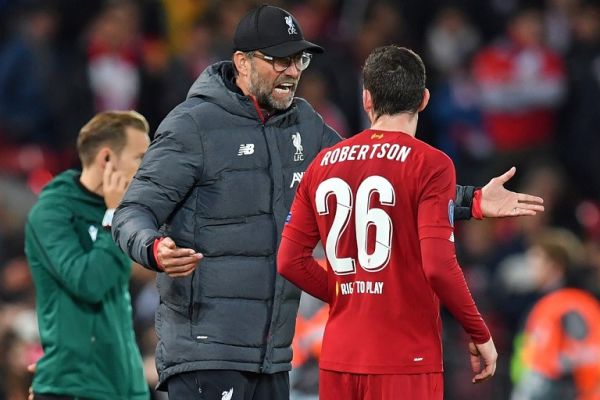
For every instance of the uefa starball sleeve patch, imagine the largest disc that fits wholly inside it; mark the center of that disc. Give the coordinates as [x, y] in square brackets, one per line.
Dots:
[451, 218]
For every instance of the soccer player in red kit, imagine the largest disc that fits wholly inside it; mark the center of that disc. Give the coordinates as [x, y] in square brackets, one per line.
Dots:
[382, 204]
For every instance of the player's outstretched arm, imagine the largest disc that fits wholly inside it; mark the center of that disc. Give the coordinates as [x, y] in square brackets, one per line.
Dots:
[497, 201]
[483, 360]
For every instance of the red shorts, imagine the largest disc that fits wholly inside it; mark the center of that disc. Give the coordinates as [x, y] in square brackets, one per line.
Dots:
[341, 385]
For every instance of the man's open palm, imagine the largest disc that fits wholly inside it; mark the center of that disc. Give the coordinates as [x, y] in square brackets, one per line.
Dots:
[497, 201]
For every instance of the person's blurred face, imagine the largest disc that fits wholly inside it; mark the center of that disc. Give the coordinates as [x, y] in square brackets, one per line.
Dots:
[544, 269]
[273, 90]
[527, 29]
[587, 24]
[451, 20]
[118, 25]
[129, 159]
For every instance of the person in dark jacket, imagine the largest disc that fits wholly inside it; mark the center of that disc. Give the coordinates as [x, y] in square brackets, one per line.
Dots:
[81, 277]
[216, 185]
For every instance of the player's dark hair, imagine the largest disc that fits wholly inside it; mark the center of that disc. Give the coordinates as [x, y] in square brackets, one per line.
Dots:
[395, 76]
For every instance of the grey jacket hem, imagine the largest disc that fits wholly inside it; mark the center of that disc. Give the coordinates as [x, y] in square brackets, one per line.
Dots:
[219, 365]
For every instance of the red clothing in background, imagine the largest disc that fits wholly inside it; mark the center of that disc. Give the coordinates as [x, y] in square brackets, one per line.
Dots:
[520, 89]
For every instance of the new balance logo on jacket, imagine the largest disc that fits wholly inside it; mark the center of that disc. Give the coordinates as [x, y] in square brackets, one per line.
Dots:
[246, 149]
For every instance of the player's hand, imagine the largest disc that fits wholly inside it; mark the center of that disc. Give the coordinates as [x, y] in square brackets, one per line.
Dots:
[114, 185]
[176, 261]
[483, 360]
[497, 201]
[31, 369]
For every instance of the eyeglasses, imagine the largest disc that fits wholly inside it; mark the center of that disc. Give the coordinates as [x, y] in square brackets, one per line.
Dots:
[280, 64]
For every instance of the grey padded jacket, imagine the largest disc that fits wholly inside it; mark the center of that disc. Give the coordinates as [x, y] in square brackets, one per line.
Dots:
[218, 179]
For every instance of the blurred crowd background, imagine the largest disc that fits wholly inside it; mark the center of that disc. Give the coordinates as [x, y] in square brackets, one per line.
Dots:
[512, 83]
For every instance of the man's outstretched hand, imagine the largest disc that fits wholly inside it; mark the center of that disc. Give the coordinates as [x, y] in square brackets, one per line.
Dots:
[497, 201]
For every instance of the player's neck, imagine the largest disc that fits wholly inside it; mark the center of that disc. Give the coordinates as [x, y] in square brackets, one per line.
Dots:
[91, 179]
[402, 122]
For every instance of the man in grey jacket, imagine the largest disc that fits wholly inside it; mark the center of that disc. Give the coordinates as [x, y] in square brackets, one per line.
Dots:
[217, 184]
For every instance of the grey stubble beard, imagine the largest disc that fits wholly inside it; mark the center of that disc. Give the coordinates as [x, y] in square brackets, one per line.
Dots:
[264, 93]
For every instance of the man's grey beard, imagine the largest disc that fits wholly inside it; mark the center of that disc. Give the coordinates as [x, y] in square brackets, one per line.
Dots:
[264, 93]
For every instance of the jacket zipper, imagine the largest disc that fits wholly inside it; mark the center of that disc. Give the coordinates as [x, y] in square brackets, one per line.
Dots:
[191, 305]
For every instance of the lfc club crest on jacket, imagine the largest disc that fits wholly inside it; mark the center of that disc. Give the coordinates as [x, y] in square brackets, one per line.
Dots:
[297, 141]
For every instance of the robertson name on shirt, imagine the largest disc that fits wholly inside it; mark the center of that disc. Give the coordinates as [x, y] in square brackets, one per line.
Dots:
[359, 152]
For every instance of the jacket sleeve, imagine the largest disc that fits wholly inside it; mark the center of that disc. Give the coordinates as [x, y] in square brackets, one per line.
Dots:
[448, 282]
[464, 202]
[86, 274]
[166, 176]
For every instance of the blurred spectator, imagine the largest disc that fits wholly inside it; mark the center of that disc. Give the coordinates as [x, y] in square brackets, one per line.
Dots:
[197, 52]
[19, 347]
[308, 339]
[456, 119]
[580, 145]
[454, 110]
[15, 282]
[180, 18]
[522, 83]
[315, 89]
[558, 17]
[15, 201]
[28, 64]
[226, 16]
[560, 354]
[318, 19]
[383, 24]
[588, 216]
[172, 76]
[113, 57]
[513, 288]
[451, 40]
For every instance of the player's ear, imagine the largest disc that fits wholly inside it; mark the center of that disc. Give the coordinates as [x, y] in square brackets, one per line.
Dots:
[425, 100]
[367, 100]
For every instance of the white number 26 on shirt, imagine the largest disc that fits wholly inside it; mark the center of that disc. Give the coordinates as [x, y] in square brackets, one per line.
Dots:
[364, 218]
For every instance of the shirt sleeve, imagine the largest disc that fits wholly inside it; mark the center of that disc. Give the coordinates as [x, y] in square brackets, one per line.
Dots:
[436, 204]
[436, 232]
[296, 264]
[448, 282]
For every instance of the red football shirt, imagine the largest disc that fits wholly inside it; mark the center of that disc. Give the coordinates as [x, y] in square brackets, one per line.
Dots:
[370, 200]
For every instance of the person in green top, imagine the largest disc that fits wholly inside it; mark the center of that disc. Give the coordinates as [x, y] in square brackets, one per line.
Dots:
[81, 277]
